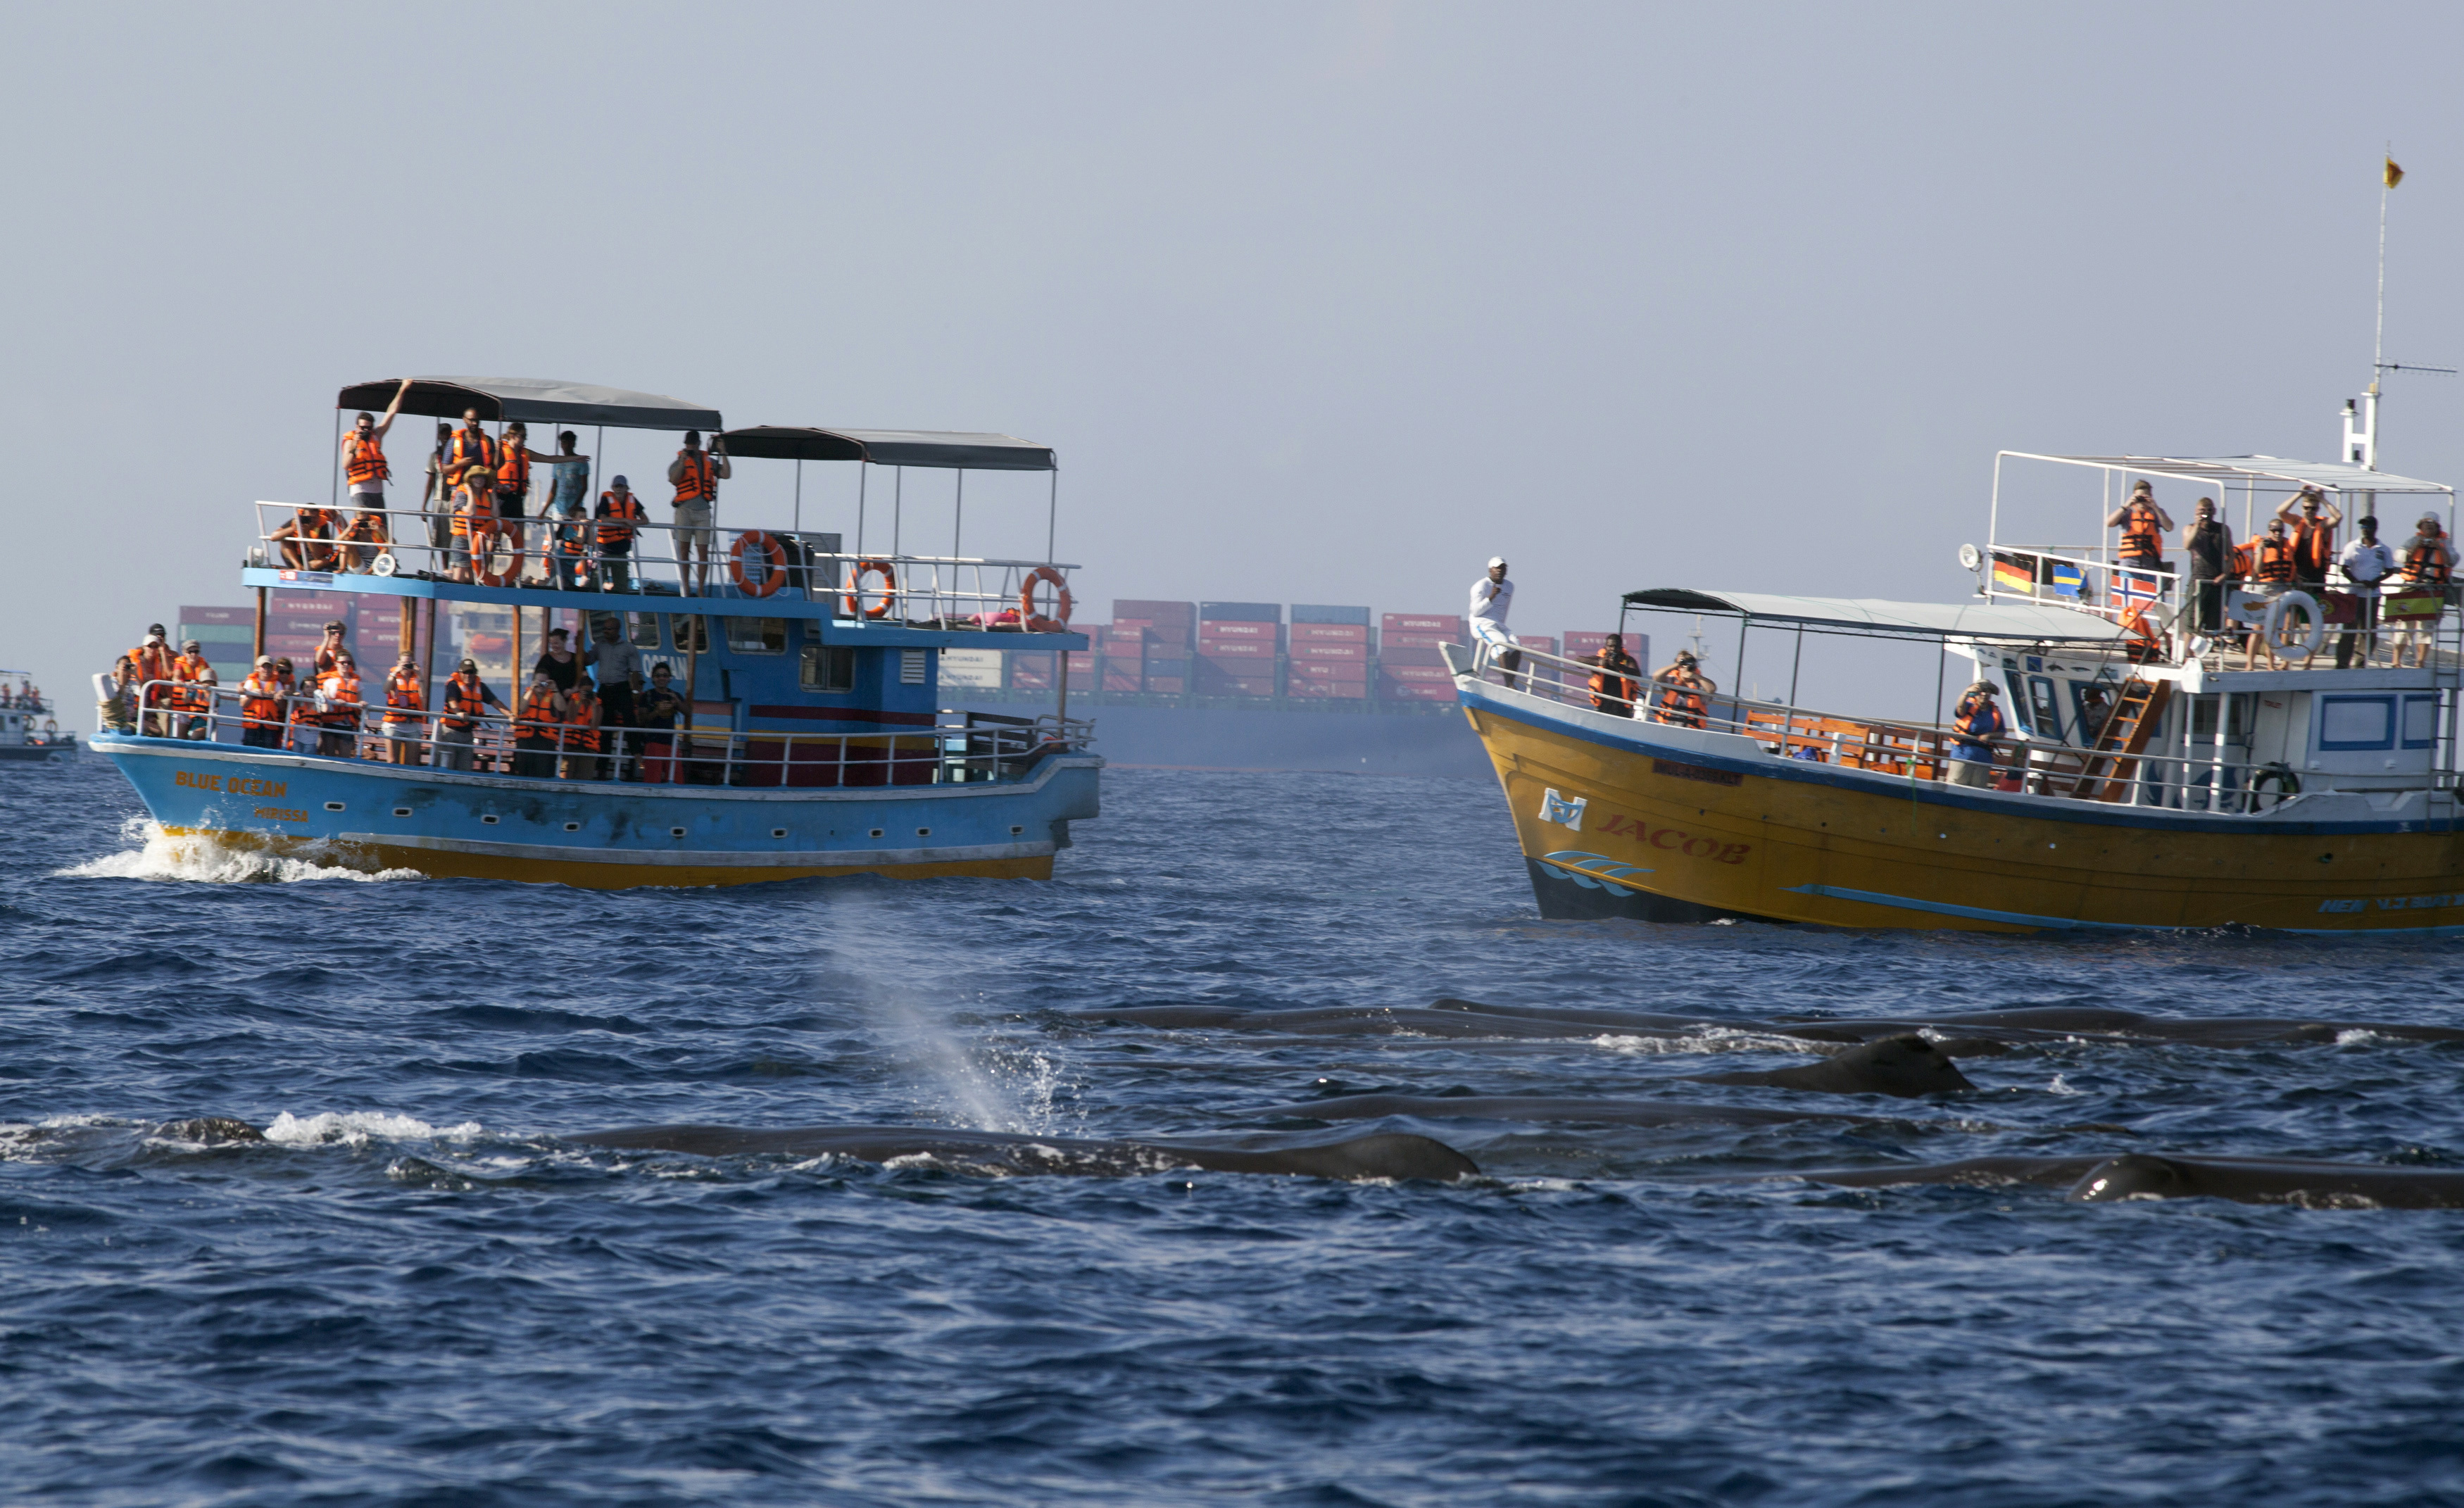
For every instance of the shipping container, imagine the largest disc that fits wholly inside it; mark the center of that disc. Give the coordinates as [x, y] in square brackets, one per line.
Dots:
[1335, 690]
[1323, 616]
[1392, 656]
[1317, 670]
[1167, 685]
[1122, 681]
[1174, 666]
[1328, 633]
[1410, 639]
[211, 634]
[217, 615]
[1422, 623]
[974, 659]
[1236, 685]
[1082, 664]
[1236, 650]
[1240, 612]
[1416, 691]
[1156, 614]
[985, 676]
[1347, 654]
[308, 602]
[1236, 628]
[1029, 678]
[1416, 672]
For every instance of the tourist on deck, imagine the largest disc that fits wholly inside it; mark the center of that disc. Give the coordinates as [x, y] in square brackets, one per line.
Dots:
[2210, 544]
[1613, 684]
[366, 472]
[1974, 723]
[307, 542]
[330, 653]
[655, 713]
[1492, 598]
[565, 551]
[540, 733]
[474, 525]
[2313, 533]
[2428, 565]
[2363, 564]
[2141, 560]
[617, 666]
[153, 659]
[696, 475]
[464, 701]
[558, 661]
[1685, 691]
[197, 680]
[2266, 563]
[406, 704]
[583, 739]
[260, 706]
[115, 696]
[514, 458]
[436, 498]
[621, 515]
[338, 704]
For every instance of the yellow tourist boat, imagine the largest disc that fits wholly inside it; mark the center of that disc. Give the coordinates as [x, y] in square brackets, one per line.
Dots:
[2163, 768]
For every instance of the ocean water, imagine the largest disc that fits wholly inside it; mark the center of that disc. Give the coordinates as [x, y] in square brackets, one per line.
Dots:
[414, 1292]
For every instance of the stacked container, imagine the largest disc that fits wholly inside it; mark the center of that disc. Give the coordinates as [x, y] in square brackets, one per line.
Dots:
[1170, 631]
[226, 634]
[1032, 670]
[1240, 646]
[1409, 666]
[1125, 656]
[1329, 653]
[972, 669]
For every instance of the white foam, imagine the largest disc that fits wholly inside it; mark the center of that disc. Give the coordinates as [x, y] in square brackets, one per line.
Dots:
[1710, 1039]
[2061, 1087]
[357, 1127]
[158, 854]
[2363, 1037]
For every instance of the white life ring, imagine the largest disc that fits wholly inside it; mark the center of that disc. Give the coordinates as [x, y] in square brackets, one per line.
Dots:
[385, 564]
[2284, 647]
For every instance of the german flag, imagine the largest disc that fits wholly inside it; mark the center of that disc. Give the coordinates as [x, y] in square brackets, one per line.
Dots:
[2014, 573]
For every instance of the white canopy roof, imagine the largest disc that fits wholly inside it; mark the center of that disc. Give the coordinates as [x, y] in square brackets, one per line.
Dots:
[2010, 622]
[2267, 472]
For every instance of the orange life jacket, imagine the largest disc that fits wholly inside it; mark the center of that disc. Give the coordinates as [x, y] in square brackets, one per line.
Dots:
[2141, 537]
[1682, 704]
[1612, 690]
[2430, 561]
[153, 663]
[617, 516]
[403, 696]
[2314, 548]
[261, 699]
[697, 482]
[341, 689]
[582, 724]
[513, 469]
[2273, 558]
[1977, 720]
[539, 723]
[193, 676]
[464, 699]
[368, 463]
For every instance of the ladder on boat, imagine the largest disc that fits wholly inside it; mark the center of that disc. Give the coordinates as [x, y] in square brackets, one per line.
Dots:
[2112, 761]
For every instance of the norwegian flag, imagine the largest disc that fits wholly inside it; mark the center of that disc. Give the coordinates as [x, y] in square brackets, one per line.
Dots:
[2139, 589]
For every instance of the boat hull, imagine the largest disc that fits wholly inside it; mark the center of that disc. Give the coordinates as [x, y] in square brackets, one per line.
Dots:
[38, 753]
[1623, 818]
[599, 835]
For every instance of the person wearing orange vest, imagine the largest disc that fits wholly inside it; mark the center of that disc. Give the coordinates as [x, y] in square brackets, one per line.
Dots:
[197, 680]
[514, 458]
[2429, 566]
[302, 703]
[260, 706]
[621, 515]
[404, 703]
[539, 736]
[696, 475]
[582, 739]
[2313, 533]
[1613, 685]
[1684, 690]
[2143, 525]
[338, 690]
[461, 705]
[307, 542]
[153, 660]
[366, 472]
[2267, 563]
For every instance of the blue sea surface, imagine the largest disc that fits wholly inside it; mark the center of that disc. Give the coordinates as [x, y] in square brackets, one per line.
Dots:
[414, 1293]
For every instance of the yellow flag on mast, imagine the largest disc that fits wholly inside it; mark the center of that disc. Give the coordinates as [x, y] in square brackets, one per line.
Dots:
[2394, 174]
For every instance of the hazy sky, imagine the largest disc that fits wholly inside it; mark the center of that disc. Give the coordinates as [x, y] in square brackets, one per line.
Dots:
[1317, 302]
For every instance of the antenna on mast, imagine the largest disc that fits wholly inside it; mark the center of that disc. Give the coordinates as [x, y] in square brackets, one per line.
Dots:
[2362, 414]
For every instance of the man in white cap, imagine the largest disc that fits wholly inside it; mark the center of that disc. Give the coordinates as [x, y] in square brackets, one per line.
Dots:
[1492, 596]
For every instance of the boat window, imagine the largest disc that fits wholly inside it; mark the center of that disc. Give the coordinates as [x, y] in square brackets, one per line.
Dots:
[2018, 703]
[2421, 720]
[2092, 700]
[642, 629]
[2044, 709]
[2357, 722]
[688, 633]
[2203, 718]
[826, 668]
[758, 635]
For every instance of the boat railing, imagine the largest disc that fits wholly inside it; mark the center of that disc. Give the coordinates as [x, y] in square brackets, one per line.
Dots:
[660, 560]
[2092, 579]
[1917, 751]
[976, 749]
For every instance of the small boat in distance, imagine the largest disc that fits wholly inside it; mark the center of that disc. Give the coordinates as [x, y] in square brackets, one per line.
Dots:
[809, 739]
[30, 731]
[2168, 763]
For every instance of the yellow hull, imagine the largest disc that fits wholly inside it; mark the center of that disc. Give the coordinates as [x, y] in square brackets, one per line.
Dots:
[1623, 818]
[592, 874]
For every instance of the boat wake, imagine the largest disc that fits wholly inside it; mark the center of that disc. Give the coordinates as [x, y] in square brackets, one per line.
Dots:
[157, 855]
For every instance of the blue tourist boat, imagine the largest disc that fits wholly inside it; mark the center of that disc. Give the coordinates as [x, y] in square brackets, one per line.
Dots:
[814, 746]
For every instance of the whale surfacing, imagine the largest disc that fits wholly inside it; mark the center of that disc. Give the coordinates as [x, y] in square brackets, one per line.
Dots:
[1908, 1066]
[1380, 1155]
[1538, 1108]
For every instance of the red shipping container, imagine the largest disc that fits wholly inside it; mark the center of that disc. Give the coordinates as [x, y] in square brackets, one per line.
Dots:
[1392, 656]
[1355, 672]
[1235, 649]
[1237, 686]
[326, 606]
[1331, 654]
[1578, 644]
[1029, 678]
[1167, 685]
[1082, 665]
[218, 615]
[1419, 672]
[1121, 681]
[1344, 691]
[1156, 614]
[1540, 642]
[1411, 641]
[1422, 623]
[1329, 633]
[1414, 691]
[1218, 629]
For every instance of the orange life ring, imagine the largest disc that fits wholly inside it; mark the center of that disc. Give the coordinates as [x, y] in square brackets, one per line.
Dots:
[491, 533]
[856, 588]
[773, 579]
[1037, 623]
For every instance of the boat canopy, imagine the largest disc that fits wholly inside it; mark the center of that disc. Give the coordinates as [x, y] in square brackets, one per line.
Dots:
[2267, 472]
[951, 449]
[539, 398]
[2001, 622]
